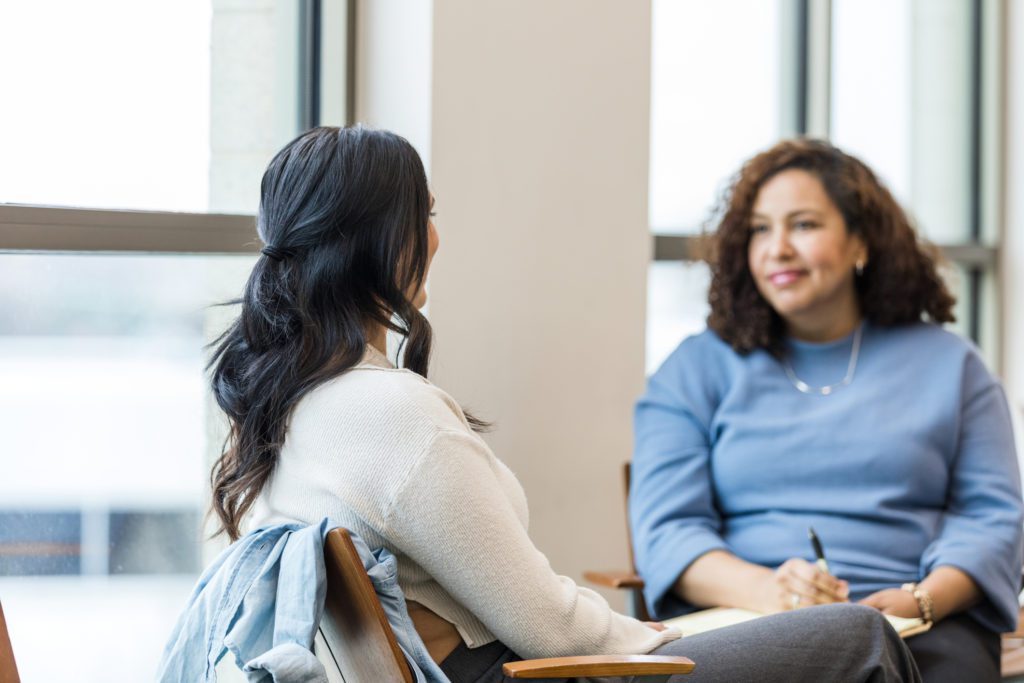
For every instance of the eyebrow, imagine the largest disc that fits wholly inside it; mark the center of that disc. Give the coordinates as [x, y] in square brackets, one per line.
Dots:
[432, 201]
[791, 214]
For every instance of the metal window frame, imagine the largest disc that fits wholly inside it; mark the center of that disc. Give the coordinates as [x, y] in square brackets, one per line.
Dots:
[321, 24]
[310, 55]
[45, 229]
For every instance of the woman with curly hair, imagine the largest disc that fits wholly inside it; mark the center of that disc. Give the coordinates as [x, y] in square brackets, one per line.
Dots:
[826, 394]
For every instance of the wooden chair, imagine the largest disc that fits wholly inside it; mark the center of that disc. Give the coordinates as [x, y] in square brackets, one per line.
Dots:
[624, 580]
[8, 669]
[356, 639]
[1013, 653]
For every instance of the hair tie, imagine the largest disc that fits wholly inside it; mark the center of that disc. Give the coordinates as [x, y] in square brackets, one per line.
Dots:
[275, 253]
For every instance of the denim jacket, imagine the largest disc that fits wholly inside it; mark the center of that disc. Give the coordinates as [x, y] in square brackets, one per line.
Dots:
[262, 600]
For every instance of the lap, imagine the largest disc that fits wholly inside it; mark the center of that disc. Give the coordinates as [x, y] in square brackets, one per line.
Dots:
[826, 643]
[957, 649]
[835, 642]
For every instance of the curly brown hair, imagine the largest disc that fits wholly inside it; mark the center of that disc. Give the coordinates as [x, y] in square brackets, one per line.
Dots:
[900, 283]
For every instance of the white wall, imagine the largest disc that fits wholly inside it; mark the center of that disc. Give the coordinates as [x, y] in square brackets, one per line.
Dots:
[540, 155]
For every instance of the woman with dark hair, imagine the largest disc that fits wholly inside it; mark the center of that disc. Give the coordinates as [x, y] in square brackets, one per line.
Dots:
[323, 424]
[826, 394]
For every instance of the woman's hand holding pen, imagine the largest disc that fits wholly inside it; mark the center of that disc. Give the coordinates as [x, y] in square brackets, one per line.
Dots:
[798, 583]
[720, 578]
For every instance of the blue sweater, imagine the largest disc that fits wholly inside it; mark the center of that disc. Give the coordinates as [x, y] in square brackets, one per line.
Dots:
[909, 467]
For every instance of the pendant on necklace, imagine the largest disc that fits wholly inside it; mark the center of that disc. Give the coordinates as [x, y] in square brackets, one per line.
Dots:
[827, 390]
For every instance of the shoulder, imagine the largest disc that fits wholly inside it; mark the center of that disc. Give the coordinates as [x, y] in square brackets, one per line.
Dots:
[393, 399]
[700, 370]
[935, 351]
[928, 342]
[932, 336]
[700, 349]
[702, 357]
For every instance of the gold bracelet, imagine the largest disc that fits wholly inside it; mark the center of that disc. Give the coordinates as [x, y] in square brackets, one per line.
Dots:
[925, 604]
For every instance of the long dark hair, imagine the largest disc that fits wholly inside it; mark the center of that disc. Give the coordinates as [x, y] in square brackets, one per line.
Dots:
[900, 284]
[344, 213]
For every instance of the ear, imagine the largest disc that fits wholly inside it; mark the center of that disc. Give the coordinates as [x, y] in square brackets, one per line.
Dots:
[860, 250]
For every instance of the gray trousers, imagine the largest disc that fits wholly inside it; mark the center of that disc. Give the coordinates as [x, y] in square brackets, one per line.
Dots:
[818, 644]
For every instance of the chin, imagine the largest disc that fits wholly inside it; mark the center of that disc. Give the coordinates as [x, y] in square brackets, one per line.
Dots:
[789, 307]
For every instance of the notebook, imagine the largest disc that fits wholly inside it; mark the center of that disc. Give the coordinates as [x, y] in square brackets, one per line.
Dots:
[720, 617]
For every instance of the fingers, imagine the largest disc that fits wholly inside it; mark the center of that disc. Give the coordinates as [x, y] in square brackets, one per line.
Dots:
[803, 584]
[875, 600]
[883, 606]
[818, 581]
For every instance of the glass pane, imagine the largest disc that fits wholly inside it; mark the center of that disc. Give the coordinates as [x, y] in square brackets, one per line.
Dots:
[105, 464]
[714, 101]
[677, 306]
[161, 105]
[893, 102]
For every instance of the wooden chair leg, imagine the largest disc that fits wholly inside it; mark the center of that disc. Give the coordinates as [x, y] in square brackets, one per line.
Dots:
[8, 669]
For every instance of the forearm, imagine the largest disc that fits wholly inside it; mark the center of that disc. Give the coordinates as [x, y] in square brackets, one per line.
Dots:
[951, 589]
[720, 578]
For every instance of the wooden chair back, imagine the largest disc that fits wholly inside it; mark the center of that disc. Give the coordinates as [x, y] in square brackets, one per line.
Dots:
[637, 606]
[625, 580]
[627, 472]
[355, 630]
[8, 669]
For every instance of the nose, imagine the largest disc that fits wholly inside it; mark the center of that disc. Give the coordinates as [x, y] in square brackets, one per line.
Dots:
[779, 245]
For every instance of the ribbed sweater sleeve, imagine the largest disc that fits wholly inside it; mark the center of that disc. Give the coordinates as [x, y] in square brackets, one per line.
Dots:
[452, 516]
[673, 516]
[981, 526]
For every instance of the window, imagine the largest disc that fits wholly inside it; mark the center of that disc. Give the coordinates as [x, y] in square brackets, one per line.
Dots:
[715, 72]
[912, 108]
[130, 178]
[716, 82]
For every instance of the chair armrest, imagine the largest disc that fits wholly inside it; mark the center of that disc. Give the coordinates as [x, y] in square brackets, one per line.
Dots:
[599, 665]
[614, 579]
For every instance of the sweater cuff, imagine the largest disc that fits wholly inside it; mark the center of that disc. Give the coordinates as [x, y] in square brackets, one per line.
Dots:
[999, 608]
[665, 565]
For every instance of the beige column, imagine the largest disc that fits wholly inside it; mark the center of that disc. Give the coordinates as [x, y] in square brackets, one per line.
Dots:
[539, 145]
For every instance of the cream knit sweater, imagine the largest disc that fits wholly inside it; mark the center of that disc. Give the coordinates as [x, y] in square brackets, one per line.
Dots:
[391, 457]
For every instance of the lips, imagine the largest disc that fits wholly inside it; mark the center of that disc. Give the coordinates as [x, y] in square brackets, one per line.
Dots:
[784, 278]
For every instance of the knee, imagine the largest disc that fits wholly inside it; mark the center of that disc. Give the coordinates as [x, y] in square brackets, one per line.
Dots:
[859, 616]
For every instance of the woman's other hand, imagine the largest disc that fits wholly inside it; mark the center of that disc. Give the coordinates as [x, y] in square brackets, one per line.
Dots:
[894, 601]
[798, 583]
